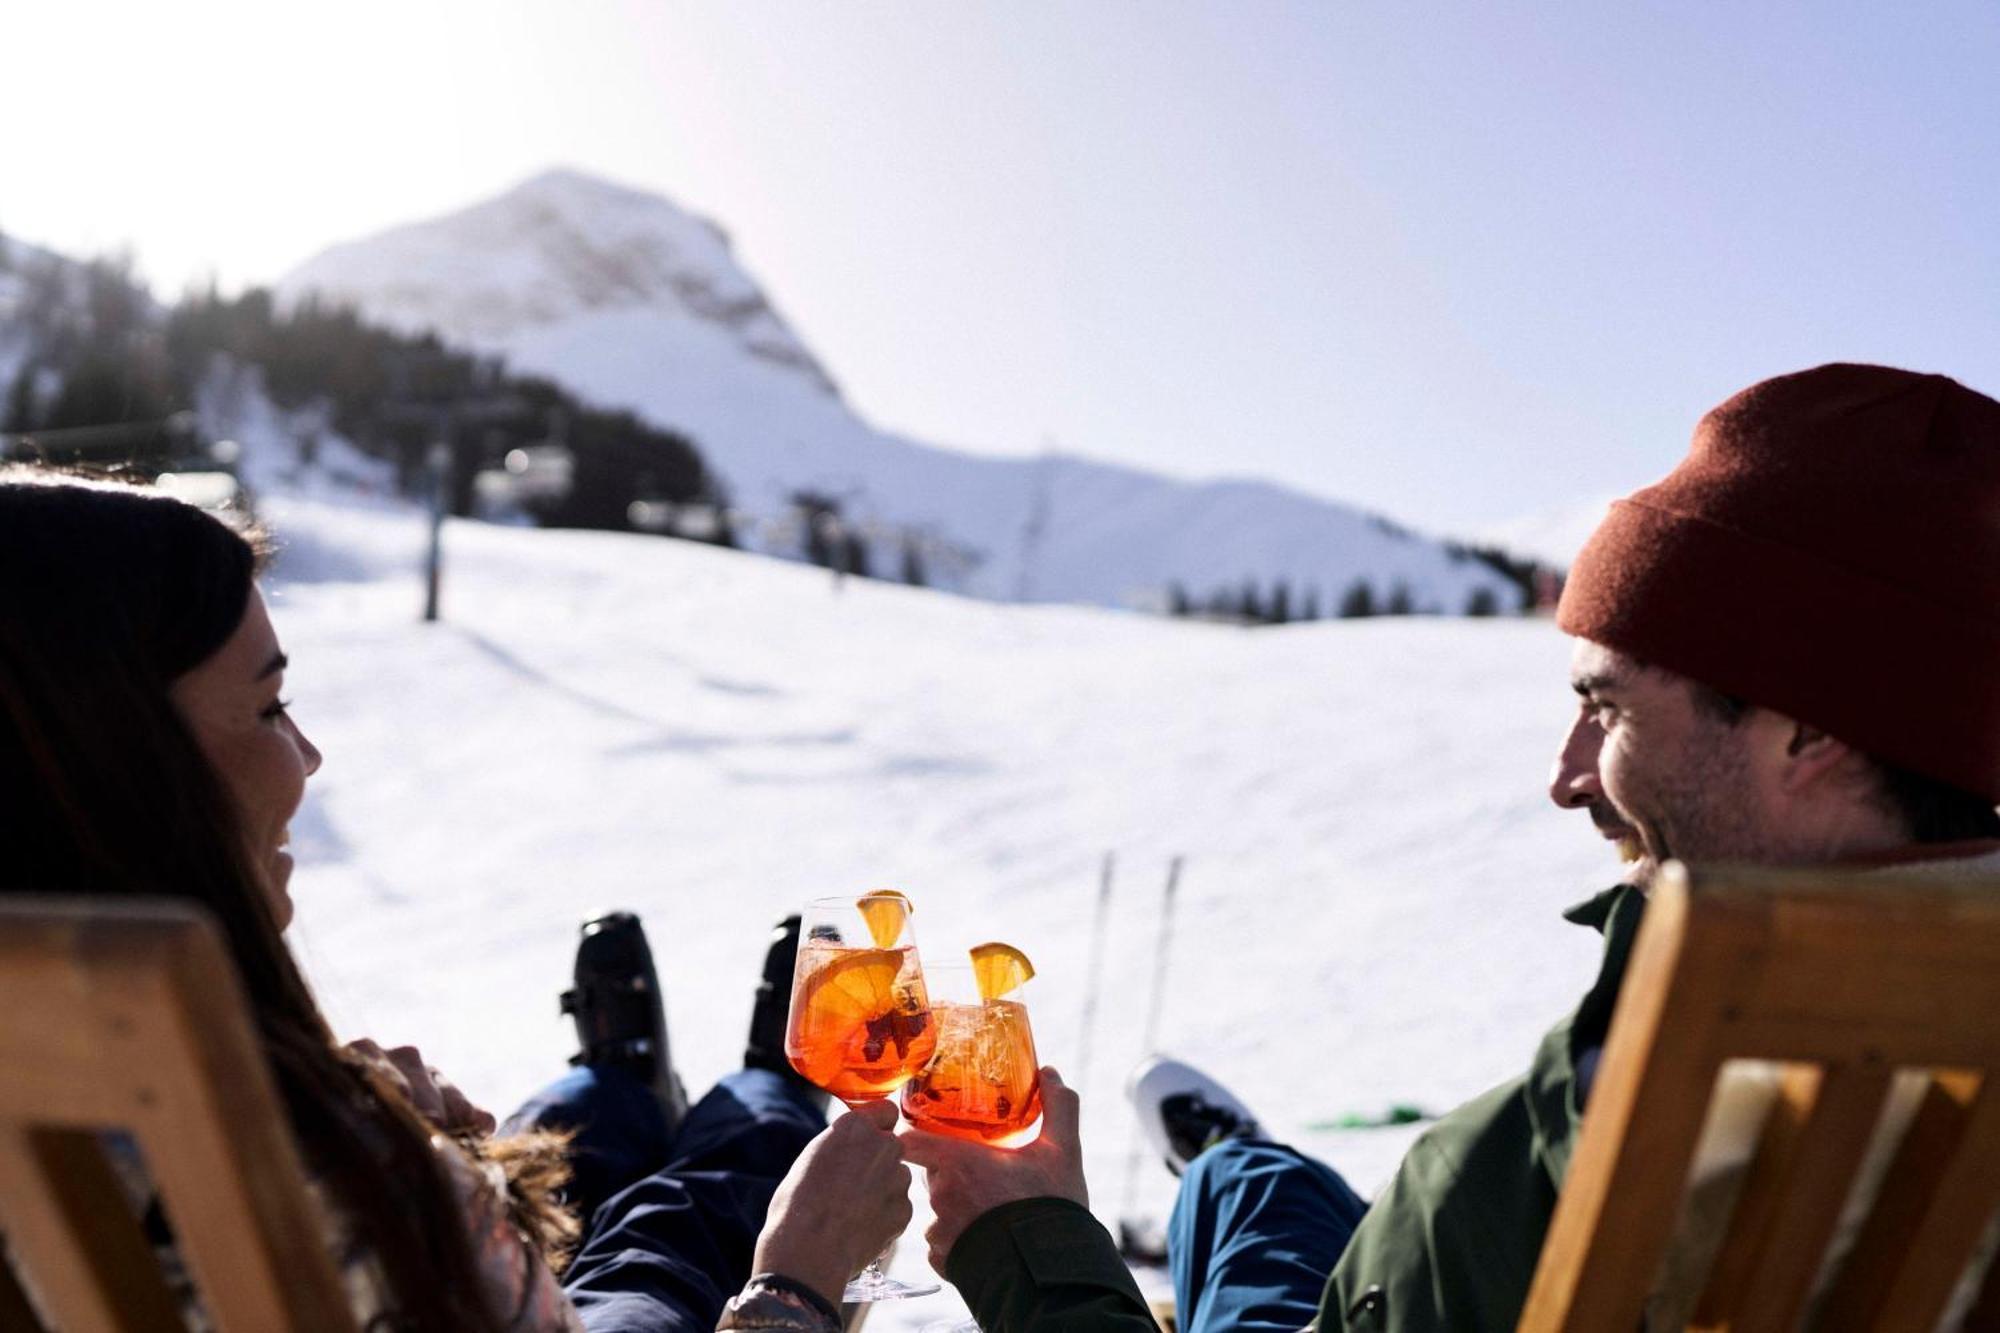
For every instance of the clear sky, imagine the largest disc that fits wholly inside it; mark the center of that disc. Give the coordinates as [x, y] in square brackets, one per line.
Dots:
[1456, 262]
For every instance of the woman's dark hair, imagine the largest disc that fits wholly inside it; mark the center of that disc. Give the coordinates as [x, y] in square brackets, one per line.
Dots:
[108, 594]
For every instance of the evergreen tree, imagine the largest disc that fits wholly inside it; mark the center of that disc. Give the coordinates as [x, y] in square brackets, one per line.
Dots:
[42, 309]
[21, 415]
[115, 306]
[857, 555]
[1358, 600]
[103, 389]
[1482, 603]
[1530, 576]
[1401, 602]
[913, 562]
[1280, 610]
[1309, 606]
[1251, 606]
[820, 516]
[1178, 603]
[391, 393]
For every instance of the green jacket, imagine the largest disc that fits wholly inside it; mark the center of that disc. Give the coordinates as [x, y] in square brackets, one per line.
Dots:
[1449, 1247]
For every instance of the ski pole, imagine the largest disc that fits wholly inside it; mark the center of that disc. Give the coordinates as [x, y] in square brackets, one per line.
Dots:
[1160, 956]
[1093, 980]
[1154, 1005]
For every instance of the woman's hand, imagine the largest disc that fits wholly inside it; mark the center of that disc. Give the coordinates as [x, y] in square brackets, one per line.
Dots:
[840, 1205]
[968, 1179]
[434, 1097]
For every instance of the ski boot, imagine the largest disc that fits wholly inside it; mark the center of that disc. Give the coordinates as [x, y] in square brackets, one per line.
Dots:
[765, 1048]
[1184, 1112]
[621, 1021]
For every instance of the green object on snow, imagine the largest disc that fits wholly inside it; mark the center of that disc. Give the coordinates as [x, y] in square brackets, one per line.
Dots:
[1402, 1113]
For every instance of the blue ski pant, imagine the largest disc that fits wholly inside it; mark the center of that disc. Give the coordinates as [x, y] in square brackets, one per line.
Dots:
[1256, 1229]
[669, 1220]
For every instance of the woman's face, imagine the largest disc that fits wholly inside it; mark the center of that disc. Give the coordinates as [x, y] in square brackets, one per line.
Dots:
[232, 702]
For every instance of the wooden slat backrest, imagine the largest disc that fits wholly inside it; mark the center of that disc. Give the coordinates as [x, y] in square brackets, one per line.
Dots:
[16, 1313]
[1921, 1160]
[130, 1018]
[1985, 1312]
[62, 1202]
[1845, 978]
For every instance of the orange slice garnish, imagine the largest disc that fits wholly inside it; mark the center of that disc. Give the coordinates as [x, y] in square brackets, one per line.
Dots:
[858, 985]
[999, 968]
[885, 911]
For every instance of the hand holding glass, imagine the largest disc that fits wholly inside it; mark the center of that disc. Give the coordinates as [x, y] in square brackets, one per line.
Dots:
[860, 1022]
[983, 1081]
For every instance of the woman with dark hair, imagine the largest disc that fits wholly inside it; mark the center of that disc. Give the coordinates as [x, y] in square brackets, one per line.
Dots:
[146, 749]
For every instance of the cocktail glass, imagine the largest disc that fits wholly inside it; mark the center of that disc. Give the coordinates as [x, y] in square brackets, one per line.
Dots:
[860, 1022]
[983, 1081]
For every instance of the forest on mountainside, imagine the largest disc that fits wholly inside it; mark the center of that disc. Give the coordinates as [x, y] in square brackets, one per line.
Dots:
[94, 370]
[103, 374]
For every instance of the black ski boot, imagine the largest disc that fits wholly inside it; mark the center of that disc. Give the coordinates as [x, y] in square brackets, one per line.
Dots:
[620, 1019]
[772, 1010]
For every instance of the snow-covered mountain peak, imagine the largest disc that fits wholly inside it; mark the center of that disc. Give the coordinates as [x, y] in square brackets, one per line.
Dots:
[632, 302]
[558, 245]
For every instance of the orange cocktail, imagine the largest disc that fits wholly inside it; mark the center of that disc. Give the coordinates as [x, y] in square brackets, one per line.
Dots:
[860, 1023]
[983, 1082]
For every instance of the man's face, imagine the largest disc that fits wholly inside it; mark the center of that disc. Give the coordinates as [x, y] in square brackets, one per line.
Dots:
[1657, 773]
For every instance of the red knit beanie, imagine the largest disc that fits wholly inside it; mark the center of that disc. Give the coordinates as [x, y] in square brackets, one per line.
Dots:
[1830, 548]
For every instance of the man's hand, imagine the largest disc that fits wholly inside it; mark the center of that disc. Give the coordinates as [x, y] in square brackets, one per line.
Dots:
[434, 1097]
[968, 1179]
[840, 1205]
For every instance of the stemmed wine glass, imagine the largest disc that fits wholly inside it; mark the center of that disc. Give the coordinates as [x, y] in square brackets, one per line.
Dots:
[860, 1024]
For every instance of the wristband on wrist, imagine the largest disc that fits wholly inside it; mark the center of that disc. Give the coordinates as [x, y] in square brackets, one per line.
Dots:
[779, 1282]
[774, 1301]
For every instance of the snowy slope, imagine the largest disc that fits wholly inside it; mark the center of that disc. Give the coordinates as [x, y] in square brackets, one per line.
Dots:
[1369, 907]
[632, 302]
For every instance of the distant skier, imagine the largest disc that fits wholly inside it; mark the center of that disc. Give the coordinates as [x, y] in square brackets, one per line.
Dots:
[1787, 654]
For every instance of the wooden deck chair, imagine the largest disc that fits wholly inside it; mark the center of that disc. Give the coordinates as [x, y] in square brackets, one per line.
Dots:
[131, 1018]
[1844, 979]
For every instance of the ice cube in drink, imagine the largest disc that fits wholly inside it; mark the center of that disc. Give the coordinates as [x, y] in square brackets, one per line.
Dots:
[983, 1080]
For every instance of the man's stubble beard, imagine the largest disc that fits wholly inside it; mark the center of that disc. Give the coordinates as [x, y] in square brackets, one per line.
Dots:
[1701, 811]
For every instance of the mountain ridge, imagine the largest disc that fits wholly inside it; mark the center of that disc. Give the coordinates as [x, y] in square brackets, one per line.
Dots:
[633, 302]
[605, 246]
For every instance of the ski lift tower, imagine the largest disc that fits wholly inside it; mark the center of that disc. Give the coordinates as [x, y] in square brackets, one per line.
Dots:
[442, 420]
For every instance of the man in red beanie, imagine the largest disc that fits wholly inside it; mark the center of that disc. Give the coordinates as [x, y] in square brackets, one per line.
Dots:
[1788, 653]
[1822, 576]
